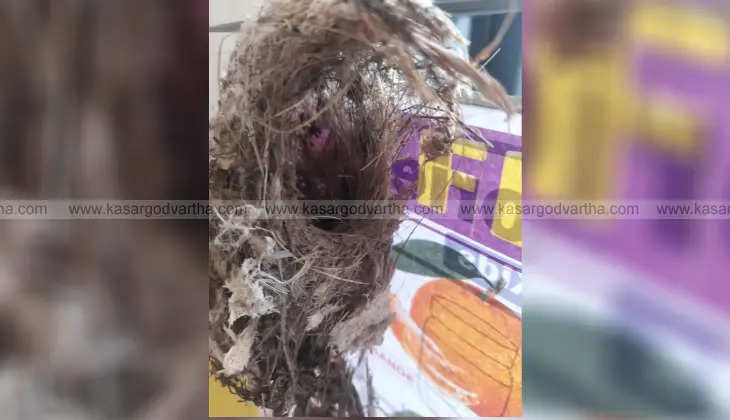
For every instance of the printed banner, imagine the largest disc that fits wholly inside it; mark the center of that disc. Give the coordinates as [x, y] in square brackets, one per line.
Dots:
[455, 348]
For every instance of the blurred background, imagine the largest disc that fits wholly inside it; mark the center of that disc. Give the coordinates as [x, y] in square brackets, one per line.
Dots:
[103, 100]
[627, 100]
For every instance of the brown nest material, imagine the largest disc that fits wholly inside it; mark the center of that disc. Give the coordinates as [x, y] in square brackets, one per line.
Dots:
[319, 98]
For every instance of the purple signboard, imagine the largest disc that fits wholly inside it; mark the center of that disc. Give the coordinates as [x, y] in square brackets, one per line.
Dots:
[684, 156]
[486, 170]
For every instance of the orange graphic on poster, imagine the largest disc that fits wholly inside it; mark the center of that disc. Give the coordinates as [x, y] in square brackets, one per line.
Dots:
[470, 348]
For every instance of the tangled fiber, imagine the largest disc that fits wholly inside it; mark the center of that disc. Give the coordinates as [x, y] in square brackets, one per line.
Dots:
[319, 97]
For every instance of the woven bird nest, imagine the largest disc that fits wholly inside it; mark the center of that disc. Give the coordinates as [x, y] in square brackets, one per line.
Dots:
[318, 100]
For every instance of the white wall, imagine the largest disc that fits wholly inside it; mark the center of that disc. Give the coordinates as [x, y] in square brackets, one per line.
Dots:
[219, 12]
[223, 11]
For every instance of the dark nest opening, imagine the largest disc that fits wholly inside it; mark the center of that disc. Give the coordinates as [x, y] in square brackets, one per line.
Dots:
[319, 98]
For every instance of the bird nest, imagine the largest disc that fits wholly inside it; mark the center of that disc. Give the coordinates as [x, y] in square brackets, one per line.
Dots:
[318, 100]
